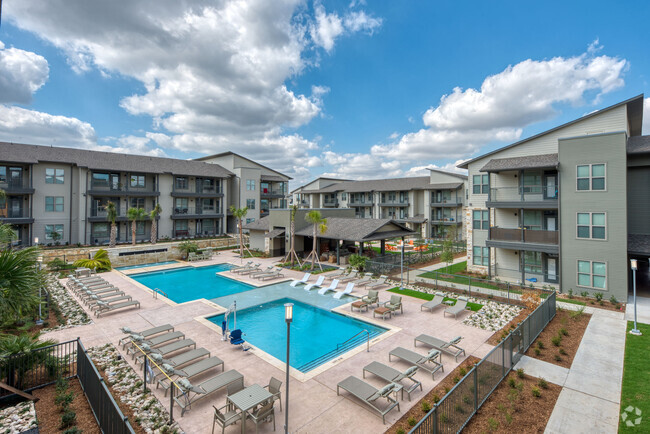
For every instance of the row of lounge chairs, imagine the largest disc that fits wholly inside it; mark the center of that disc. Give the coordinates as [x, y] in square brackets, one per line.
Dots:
[254, 271]
[439, 300]
[203, 256]
[99, 295]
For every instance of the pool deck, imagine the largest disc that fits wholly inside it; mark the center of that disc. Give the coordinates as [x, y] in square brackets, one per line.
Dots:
[314, 404]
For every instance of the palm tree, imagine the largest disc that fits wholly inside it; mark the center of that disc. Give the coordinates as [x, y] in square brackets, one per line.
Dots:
[111, 215]
[239, 214]
[315, 218]
[23, 358]
[20, 280]
[153, 215]
[135, 215]
[99, 261]
[7, 235]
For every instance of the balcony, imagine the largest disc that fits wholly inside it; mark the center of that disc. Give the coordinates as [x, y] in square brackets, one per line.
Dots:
[196, 213]
[15, 216]
[99, 214]
[16, 186]
[452, 203]
[331, 203]
[198, 190]
[102, 189]
[523, 239]
[271, 192]
[394, 203]
[523, 197]
[446, 221]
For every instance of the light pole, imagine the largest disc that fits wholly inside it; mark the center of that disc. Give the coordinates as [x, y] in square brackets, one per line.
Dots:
[288, 317]
[633, 264]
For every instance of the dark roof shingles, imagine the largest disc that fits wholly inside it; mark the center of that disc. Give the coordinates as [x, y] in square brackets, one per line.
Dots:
[516, 163]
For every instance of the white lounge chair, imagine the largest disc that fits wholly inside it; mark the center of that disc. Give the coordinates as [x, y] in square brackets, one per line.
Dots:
[332, 287]
[348, 289]
[302, 281]
[318, 283]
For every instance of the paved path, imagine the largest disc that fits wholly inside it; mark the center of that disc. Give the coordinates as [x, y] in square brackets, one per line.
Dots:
[642, 309]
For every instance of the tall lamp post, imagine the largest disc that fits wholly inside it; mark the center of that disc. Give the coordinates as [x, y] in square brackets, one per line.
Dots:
[633, 264]
[288, 317]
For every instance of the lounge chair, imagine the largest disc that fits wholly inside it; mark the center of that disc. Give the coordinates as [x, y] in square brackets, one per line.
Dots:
[332, 287]
[257, 273]
[167, 349]
[459, 307]
[420, 360]
[200, 367]
[438, 300]
[86, 293]
[392, 375]
[336, 274]
[369, 394]
[94, 304]
[255, 268]
[351, 276]
[190, 393]
[240, 267]
[181, 359]
[154, 341]
[271, 275]
[365, 280]
[348, 289]
[394, 303]
[302, 281]
[105, 308]
[318, 283]
[450, 347]
[380, 282]
[106, 296]
[144, 333]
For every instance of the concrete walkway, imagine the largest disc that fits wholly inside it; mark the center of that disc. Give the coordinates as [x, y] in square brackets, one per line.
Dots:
[642, 309]
[591, 395]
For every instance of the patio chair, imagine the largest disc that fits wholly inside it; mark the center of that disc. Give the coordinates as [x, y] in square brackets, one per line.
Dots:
[190, 394]
[249, 271]
[155, 341]
[380, 282]
[318, 283]
[302, 281]
[257, 273]
[459, 307]
[263, 414]
[438, 299]
[144, 333]
[392, 375]
[369, 394]
[189, 371]
[420, 360]
[336, 274]
[351, 276]
[332, 287]
[274, 388]
[181, 359]
[348, 289]
[105, 308]
[106, 296]
[94, 303]
[372, 297]
[240, 267]
[276, 273]
[394, 303]
[167, 349]
[225, 417]
[192, 257]
[450, 347]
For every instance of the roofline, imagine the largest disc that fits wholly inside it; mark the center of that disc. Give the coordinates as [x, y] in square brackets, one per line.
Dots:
[465, 164]
[444, 172]
[321, 177]
[222, 154]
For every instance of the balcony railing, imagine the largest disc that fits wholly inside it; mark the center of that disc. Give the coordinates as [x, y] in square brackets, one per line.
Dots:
[13, 213]
[197, 188]
[523, 194]
[394, 203]
[446, 202]
[15, 184]
[120, 188]
[272, 192]
[100, 211]
[197, 211]
[523, 235]
[330, 202]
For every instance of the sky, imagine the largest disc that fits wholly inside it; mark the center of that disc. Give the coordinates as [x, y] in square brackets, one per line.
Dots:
[354, 89]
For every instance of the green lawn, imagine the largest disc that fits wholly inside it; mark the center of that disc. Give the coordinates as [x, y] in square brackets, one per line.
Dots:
[636, 379]
[452, 269]
[474, 307]
[460, 280]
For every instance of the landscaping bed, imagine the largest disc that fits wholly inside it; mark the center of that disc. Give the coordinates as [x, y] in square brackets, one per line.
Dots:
[597, 301]
[559, 341]
[18, 418]
[70, 313]
[635, 393]
[419, 410]
[54, 417]
[506, 329]
[521, 403]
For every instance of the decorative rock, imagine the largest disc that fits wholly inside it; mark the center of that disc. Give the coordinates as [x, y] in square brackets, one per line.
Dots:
[23, 417]
[75, 315]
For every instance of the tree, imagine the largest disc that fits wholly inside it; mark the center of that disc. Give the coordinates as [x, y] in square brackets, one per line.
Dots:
[7, 235]
[155, 212]
[315, 218]
[292, 252]
[20, 279]
[239, 214]
[187, 247]
[111, 216]
[135, 215]
[447, 254]
[99, 261]
[358, 261]
[24, 359]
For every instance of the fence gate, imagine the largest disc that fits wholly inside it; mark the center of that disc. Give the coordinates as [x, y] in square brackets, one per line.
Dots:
[517, 345]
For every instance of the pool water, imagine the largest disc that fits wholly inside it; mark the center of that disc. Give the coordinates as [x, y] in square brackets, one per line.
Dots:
[153, 264]
[315, 332]
[192, 283]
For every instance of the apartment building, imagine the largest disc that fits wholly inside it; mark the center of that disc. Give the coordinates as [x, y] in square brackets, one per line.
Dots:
[255, 186]
[431, 205]
[60, 194]
[561, 207]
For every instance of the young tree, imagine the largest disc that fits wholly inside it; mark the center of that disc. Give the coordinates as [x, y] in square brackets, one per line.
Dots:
[239, 214]
[111, 216]
[315, 218]
[447, 254]
[155, 212]
[135, 215]
[292, 252]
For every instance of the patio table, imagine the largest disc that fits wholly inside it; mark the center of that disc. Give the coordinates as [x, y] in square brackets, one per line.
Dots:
[249, 398]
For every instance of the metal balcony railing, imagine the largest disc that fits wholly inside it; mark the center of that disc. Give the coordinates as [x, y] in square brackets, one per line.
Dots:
[13, 213]
[523, 194]
[197, 211]
[523, 235]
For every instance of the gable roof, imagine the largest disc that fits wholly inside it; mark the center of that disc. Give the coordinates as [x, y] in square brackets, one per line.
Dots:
[444, 172]
[391, 184]
[261, 224]
[100, 160]
[319, 178]
[635, 118]
[223, 154]
[520, 163]
[355, 229]
[638, 145]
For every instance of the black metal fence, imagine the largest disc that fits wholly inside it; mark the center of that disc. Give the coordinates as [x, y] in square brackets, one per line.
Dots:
[42, 367]
[458, 406]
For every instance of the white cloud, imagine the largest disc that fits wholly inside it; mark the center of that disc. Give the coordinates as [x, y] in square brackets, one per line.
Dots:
[646, 116]
[21, 74]
[360, 21]
[327, 27]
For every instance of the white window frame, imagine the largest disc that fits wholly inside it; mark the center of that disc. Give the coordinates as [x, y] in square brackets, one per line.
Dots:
[591, 274]
[250, 185]
[591, 177]
[250, 203]
[591, 226]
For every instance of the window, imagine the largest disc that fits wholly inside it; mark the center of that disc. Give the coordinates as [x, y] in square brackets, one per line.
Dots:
[532, 183]
[533, 262]
[54, 203]
[139, 227]
[208, 227]
[137, 181]
[100, 179]
[101, 230]
[250, 184]
[591, 225]
[180, 182]
[249, 221]
[250, 203]
[3, 174]
[480, 184]
[137, 202]
[533, 220]
[50, 230]
[180, 228]
[207, 205]
[481, 256]
[592, 274]
[480, 219]
[591, 177]
[344, 196]
[180, 205]
[54, 176]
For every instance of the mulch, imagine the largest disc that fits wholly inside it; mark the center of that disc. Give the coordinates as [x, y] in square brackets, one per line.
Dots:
[49, 416]
[515, 409]
[574, 324]
[591, 302]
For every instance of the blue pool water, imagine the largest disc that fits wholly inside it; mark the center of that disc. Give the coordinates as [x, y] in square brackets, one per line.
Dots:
[315, 332]
[191, 283]
[153, 264]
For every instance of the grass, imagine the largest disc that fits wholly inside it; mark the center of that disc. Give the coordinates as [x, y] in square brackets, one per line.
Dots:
[408, 252]
[452, 269]
[474, 307]
[570, 300]
[636, 377]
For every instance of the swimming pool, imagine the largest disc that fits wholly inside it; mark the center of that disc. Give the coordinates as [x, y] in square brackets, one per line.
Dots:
[191, 283]
[153, 264]
[315, 333]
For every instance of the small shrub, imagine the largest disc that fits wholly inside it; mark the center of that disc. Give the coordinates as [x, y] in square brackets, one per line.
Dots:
[400, 431]
[558, 358]
[512, 382]
[467, 400]
[435, 398]
[520, 373]
[459, 409]
[456, 380]
[537, 351]
[446, 390]
[61, 385]
[535, 391]
[508, 418]
[426, 407]
[613, 300]
[599, 296]
[570, 292]
[68, 419]
[578, 313]
[542, 383]
[411, 421]
[564, 332]
[520, 386]
[73, 430]
[557, 340]
[540, 345]
[585, 293]
[64, 400]
[462, 371]
[564, 353]
[493, 423]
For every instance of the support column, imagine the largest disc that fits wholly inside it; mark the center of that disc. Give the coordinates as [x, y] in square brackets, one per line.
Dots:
[382, 248]
[361, 248]
[338, 252]
[522, 260]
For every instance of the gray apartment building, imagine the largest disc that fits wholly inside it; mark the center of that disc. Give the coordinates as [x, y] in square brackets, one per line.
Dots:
[59, 195]
[567, 207]
[429, 205]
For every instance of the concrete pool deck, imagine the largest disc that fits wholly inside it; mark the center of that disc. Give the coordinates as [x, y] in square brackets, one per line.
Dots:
[314, 404]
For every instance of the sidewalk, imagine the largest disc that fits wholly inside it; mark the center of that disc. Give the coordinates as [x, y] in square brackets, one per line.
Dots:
[642, 309]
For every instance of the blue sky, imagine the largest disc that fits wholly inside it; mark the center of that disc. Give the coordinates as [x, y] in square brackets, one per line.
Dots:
[354, 89]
